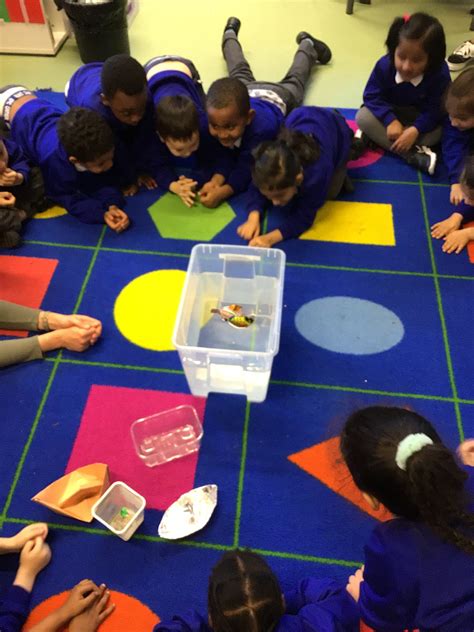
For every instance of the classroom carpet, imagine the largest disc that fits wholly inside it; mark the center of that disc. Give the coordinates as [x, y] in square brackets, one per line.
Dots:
[373, 313]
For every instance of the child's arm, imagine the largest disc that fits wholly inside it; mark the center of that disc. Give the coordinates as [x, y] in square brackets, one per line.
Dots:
[191, 621]
[455, 148]
[17, 164]
[375, 98]
[81, 597]
[14, 608]
[34, 556]
[458, 240]
[452, 223]
[185, 188]
[432, 116]
[250, 229]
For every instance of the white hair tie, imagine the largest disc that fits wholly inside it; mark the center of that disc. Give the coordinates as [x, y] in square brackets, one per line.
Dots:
[408, 446]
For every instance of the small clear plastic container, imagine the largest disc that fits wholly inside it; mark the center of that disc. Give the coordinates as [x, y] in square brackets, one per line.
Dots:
[166, 436]
[121, 509]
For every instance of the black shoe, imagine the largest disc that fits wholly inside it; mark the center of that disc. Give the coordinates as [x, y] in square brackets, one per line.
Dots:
[10, 239]
[323, 50]
[232, 24]
[423, 158]
[348, 185]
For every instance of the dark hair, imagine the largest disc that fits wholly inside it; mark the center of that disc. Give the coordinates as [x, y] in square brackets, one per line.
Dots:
[278, 162]
[176, 117]
[122, 73]
[228, 91]
[84, 134]
[460, 95]
[467, 175]
[244, 594]
[431, 489]
[423, 27]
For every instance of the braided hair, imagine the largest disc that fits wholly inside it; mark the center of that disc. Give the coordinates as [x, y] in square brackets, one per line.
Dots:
[244, 594]
[431, 490]
[278, 162]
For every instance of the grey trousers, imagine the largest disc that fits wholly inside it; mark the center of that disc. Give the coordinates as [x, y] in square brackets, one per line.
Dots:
[376, 131]
[290, 89]
[13, 316]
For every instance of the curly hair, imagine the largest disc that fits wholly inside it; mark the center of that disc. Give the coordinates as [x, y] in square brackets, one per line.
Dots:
[84, 134]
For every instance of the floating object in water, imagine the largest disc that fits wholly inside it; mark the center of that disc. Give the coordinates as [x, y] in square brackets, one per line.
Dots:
[190, 513]
[234, 315]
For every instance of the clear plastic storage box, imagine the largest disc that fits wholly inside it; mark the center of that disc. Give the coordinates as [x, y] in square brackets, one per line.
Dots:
[120, 509]
[166, 436]
[219, 357]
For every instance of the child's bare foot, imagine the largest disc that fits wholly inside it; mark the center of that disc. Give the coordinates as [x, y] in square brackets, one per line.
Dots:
[16, 542]
[94, 615]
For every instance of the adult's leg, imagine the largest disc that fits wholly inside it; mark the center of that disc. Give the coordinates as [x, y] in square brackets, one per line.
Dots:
[237, 66]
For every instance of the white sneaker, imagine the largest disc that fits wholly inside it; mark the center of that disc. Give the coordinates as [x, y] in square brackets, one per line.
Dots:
[461, 56]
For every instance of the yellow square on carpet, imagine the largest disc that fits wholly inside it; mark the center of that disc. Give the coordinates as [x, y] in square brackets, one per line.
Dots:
[353, 223]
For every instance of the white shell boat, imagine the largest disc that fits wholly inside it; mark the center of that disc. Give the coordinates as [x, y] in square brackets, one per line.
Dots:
[190, 513]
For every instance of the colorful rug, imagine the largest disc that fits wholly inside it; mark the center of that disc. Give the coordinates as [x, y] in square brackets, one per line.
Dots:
[369, 264]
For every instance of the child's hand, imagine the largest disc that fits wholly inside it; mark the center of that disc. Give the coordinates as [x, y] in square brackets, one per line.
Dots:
[251, 228]
[130, 190]
[185, 189]
[7, 199]
[405, 141]
[441, 229]
[10, 178]
[457, 240]
[353, 586]
[91, 618]
[16, 542]
[81, 597]
[211, 195]
[394, 130]
[466, 452]
[261, 242]
[116, 219]
[456, 196]
[147, 181]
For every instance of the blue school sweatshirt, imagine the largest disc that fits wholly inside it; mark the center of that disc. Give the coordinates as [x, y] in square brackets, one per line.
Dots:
[265, 126]
[14, 608]
[315, 605]
[456, 145]
[382, 93]
[83, 194]
[17, 160]
[137, 143]
[334, 138]
[210, 158]
[415, 580]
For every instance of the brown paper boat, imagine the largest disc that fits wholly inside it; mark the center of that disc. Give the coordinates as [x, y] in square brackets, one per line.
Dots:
[74, 494]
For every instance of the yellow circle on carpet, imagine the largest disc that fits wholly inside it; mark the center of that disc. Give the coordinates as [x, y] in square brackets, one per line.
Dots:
[145, 310]
[54, 211]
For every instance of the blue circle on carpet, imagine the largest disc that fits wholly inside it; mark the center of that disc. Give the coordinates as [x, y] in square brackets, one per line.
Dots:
[344, 324]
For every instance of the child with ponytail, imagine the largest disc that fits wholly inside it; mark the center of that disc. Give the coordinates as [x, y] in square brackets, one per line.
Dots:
[300, 170]
[419, 567]
[402, 110]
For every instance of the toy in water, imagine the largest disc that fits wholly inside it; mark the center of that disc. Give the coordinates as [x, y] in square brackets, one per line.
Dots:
[234, 315]
[121, 509]
[190, 513]
[74, 495]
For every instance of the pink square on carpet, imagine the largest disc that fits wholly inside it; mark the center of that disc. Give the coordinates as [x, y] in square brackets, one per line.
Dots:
[104, 437]
[24, 280]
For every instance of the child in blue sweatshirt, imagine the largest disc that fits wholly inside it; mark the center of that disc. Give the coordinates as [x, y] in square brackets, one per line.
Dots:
[241, 123]
[419, 566]
[300, 170]
[244, 594]
[75, 151]
[402, 110]
[458, 149]
[117, 90]
[188, 157]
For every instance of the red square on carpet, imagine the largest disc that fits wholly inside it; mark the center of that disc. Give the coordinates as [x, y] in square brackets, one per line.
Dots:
[470, 245]
[24, 280]
[104, 436]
